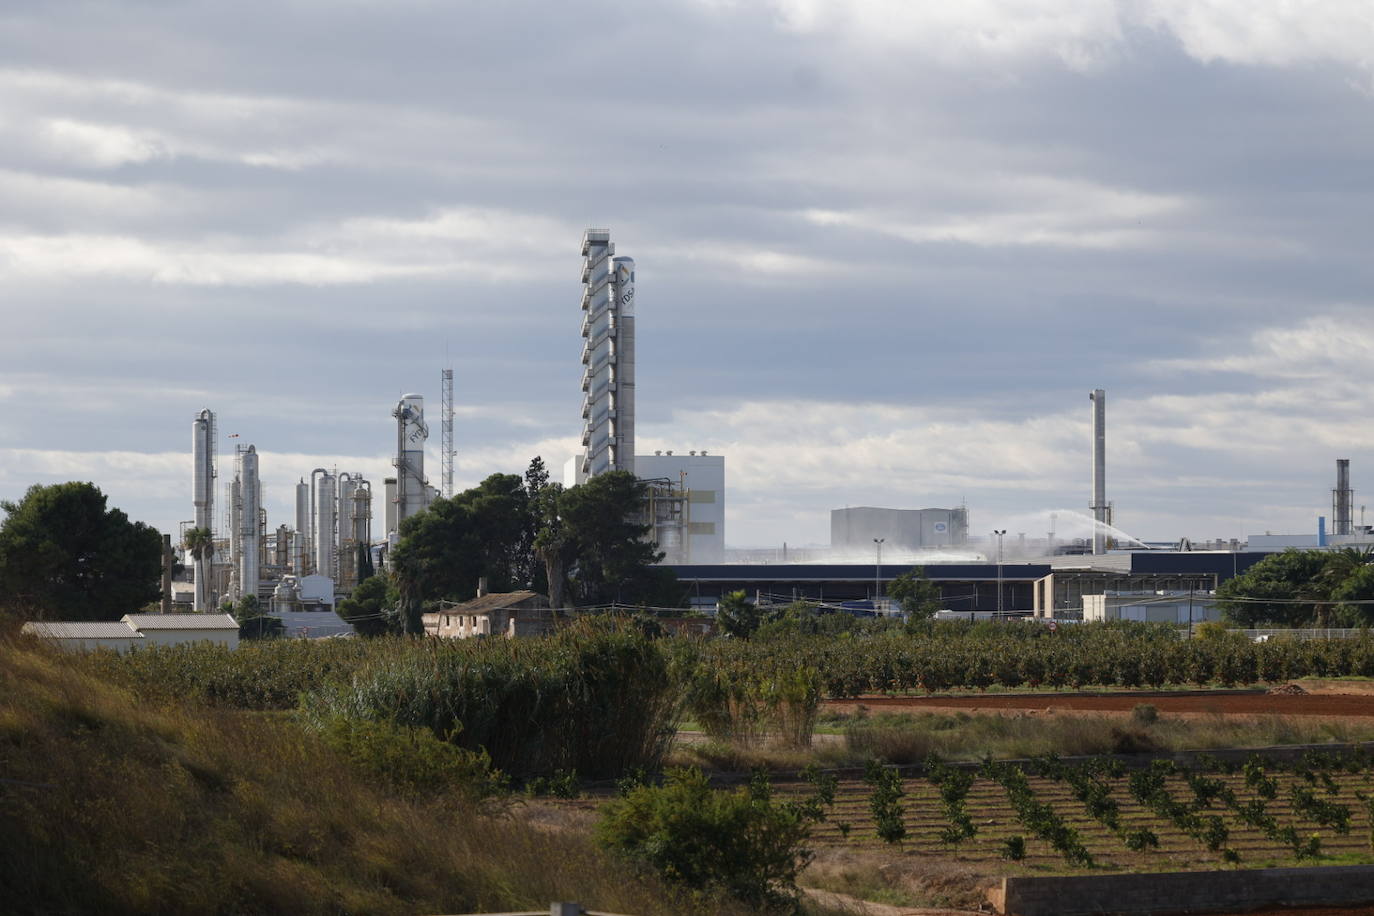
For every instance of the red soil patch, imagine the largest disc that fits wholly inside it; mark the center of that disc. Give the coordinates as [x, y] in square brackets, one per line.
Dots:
[1241, 704]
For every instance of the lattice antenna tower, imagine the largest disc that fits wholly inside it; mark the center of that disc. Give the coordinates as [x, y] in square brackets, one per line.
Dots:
[446, 413]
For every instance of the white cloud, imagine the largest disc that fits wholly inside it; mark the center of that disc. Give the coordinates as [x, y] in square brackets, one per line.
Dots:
[1084, 34]
[1022, 210]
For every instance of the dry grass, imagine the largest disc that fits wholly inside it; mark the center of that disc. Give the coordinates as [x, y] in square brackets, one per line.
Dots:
[116, 804]
[900, 881]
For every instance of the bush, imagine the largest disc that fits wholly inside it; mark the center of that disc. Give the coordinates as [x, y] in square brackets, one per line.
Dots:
[413, 761]
[598, 698]
[740, 842]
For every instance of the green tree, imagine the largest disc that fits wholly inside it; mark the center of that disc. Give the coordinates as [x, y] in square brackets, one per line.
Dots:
[1279, 589]
[1358, 585]
[601, 520]
[371, 607]
[446, 549]
[918, 596]
[199, 544]
[64, 555]
[365, 568]
[737, 616]
[253, 623]
[741, 842]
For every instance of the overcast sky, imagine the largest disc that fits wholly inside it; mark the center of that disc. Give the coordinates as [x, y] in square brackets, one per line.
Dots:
[885, 247]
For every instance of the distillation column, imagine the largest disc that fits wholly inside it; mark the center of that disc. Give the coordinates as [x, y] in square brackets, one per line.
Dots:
[203, 499]
[300, 544]
[250, 500]
[326, 514]
[412, 489]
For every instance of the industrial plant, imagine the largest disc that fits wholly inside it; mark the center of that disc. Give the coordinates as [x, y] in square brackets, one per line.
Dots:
[1079, 563]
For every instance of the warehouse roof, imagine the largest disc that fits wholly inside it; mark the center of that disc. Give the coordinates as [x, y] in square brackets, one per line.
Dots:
[181, 621]
[81, 629]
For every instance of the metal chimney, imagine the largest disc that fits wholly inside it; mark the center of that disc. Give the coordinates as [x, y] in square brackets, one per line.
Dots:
[1099, 505]
[1341, 499]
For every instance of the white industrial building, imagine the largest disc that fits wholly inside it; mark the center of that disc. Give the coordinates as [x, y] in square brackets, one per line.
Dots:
[688, 510]
[180, 629]
[1151, 606]
[85, 636]
[856, 528]
[133, 631]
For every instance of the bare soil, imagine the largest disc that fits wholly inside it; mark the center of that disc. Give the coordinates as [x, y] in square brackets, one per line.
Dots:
[1336, 705]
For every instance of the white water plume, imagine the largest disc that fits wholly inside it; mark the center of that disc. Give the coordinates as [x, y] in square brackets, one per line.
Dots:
[1063, 525]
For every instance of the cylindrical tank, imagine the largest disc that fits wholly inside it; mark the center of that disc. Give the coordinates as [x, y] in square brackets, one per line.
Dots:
[325, 517]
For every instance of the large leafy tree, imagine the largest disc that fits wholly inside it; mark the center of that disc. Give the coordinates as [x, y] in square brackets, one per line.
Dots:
[601, 521]
[65, 555]
[446, 549]
[585, 544]
[371, 607]
[1281, 589]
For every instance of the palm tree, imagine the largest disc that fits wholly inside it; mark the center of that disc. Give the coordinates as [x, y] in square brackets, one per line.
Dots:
[200, 548]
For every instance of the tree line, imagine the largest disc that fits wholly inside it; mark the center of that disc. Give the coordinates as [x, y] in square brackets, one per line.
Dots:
[583, 546]
[1303, 588]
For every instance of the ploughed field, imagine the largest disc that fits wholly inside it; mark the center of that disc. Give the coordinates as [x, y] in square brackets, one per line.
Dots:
[1071, 818]
[1219, 702]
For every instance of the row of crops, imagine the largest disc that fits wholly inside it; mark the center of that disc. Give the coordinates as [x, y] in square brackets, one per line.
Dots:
[1015, 655]
[272, 675]
[1097, 813]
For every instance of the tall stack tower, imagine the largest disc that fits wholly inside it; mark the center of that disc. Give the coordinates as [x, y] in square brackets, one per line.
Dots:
[608, 357]
[204, 472]
[250, 502]
[448, 450]
[1342, 498]
[1100, 510]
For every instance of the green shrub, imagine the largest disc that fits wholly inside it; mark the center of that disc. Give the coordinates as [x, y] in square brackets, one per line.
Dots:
[597, 698]
[738, 842]
[413, 761]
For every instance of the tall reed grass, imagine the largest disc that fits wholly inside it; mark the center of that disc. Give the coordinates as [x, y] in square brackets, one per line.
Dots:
[120, 804]
[597, 698]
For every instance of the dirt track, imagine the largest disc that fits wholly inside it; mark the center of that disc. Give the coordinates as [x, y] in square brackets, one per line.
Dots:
[1244, 704]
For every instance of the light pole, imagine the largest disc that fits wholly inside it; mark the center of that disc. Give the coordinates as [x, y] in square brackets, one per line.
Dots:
[999, 532]
[877, 572]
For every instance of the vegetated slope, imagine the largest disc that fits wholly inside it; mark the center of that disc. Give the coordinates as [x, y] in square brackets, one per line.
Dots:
[114, 803]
